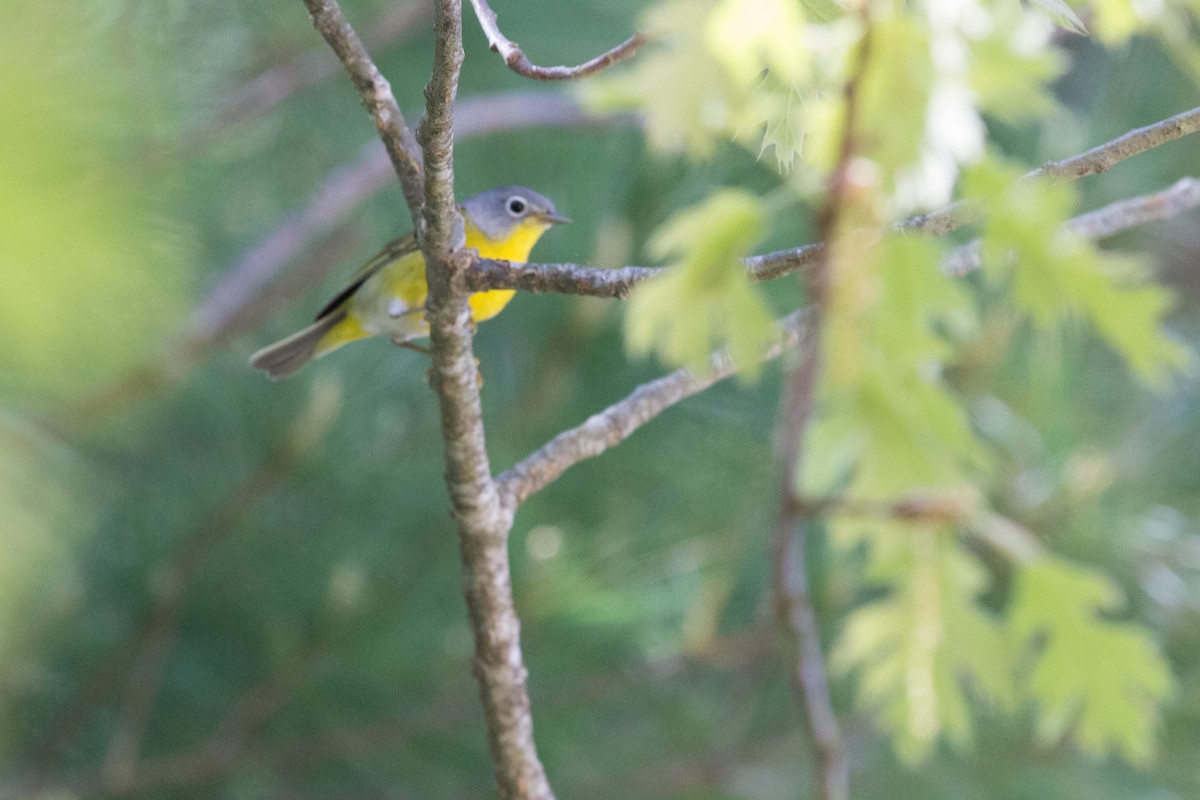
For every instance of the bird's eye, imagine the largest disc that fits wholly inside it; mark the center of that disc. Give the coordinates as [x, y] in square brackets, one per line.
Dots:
[517, 205]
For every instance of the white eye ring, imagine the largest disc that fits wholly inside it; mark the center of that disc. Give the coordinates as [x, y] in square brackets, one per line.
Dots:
[516, 205]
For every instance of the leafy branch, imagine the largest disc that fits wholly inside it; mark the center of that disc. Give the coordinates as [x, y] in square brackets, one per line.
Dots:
[589, 281]
[616, 423]
[1180, 197]
[580, 279]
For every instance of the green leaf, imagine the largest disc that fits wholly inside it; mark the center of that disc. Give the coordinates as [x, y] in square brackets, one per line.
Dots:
[1063, 14]
[750, 36]
[1127, 317]
[726, 70]
[783, 128]
[890, 318]
[1099, 681]
[1011, 81]
[1056, 276]
[705, 299]
[894, 93]
[914, 649]
[683, 91]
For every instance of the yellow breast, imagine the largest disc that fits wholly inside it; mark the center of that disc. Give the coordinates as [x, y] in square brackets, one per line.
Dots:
[392, 301]
[485, 305]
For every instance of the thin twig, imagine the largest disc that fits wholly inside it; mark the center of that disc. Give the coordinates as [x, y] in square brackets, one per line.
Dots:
[483, 523]
[228, 743]
[1098, 159]
[485, 274]
[1181, 196]
[376, 95]
[1107, 155]
[916, 508]
[794, 612]
[273, 85]
[617, 422]
[519, 63]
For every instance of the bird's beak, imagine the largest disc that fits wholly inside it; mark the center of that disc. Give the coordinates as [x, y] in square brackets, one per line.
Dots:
[553, 217]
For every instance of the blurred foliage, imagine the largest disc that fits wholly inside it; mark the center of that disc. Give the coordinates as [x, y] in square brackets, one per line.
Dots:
[84, 250]
[706, 298]
[1044, 646]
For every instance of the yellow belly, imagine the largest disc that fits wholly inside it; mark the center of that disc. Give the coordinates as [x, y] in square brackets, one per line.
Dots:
[392, 301]
[485, 305]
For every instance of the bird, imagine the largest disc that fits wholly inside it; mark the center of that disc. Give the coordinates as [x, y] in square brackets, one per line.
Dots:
[387, 295]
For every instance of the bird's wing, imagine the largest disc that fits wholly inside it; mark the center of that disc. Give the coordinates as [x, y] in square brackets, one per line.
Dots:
[395, 249]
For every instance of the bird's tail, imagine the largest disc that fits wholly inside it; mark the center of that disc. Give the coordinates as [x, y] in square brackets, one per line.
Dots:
[281, 359]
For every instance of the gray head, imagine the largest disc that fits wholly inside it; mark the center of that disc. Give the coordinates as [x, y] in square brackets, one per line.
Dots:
[499, 211]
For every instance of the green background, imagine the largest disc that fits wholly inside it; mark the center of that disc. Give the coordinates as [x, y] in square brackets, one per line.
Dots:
[322, 634]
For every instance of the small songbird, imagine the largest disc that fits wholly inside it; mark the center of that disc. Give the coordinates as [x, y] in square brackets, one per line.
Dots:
[387, 296]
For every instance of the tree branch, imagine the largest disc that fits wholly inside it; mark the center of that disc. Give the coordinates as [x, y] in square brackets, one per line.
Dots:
[485, 274]
[1105, 156]
[376, 95]
[227, 744]
[519, 63]
[483, 523]
[617, 422]
[794, 613]
[1181, 196]
[1098, 159]
[273, 85]
[584, 280]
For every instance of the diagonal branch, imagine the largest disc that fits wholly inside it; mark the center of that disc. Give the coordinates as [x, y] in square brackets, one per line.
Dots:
[1179, 197]
[273, 85]
[1098, 159]
[617, 422]
[519, 63]
[611, 426]
[1105, 156]
[376, 95]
